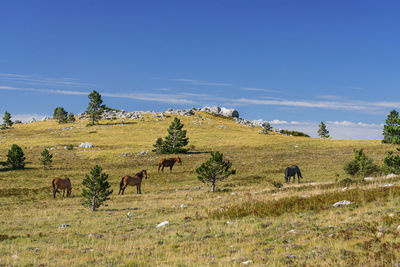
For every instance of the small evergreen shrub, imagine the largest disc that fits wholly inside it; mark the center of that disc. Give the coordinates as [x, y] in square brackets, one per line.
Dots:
[391, 163]
[361, 165]
[46, 158]
[15, 157]
[70, 147]
[96, 188]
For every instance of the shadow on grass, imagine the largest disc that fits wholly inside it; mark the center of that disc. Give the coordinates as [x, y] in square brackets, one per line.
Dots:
[11, 169]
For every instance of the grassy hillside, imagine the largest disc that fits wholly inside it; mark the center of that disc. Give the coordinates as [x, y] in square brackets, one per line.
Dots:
[229, 227]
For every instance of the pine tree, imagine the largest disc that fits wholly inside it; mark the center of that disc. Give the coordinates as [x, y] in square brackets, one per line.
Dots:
[361, 165]
[60, 115]
[95, 108]
[215, 169]
[71, 118]
[392, 163]
[46, 158]
[7, 120]
[322, 131]
[15, 157]
[391, 130]
[158, 146]
[96, 188]
[266, 127]
[176, 139]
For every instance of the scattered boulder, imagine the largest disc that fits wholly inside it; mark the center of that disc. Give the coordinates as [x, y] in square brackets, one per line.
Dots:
[64, 226]
[341, 203]
[163, 224]
[86, 145]
[392, 175]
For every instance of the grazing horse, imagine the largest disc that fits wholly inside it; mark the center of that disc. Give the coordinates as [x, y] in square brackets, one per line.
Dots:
[168, 163]
[61, 183]
[291, 172]
[132, 180]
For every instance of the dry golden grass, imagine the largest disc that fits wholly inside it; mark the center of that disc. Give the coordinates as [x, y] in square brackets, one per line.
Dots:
[29, 233]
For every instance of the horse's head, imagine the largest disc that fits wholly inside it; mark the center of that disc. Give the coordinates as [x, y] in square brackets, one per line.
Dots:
[144, 173]
[178, 159]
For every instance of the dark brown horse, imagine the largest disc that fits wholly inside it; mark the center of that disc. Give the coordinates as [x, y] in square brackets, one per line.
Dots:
[132, 180]
[61, 183]
[291, 172]
[168, 163]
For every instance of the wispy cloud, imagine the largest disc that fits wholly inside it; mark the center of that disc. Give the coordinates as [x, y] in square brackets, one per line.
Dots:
[197, 82]
[360, 124]
[331, 97]
[164, 98]
[261, 90]
[35, 79]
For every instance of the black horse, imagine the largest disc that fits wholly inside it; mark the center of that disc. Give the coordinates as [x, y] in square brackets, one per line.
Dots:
[291, 172]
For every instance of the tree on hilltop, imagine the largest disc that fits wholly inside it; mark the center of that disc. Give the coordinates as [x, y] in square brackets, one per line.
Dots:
[322, 130]
[60, 115]
[95, 108]
[7, 120]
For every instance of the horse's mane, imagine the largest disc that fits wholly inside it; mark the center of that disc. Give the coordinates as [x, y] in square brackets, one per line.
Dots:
[140, 174]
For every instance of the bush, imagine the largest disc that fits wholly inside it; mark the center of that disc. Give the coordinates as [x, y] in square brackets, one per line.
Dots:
[361, 165]
[391, 164]
[295, 133]
[70, 147]
[175, 141]
[15, 157]
[277, 184]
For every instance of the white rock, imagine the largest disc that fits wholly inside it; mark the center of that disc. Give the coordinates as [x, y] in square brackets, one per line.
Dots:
[219, 197]
[229, 222]
[398, 228]
[163, 224]
[341, 203]
[369, 178]
[15, 256]
[247, 262]
[292, 231]
[387, 185]
[64, 226]
[391, 175]
[183, 206]
[86, 145]
[379, 234]
[344, 188]
[391, 215]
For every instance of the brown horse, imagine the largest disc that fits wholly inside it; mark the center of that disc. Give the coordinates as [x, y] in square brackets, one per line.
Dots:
[135, 180]
[61, 183]
[168, 163]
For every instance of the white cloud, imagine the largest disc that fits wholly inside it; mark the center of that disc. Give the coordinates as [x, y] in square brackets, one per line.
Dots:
[197, 82]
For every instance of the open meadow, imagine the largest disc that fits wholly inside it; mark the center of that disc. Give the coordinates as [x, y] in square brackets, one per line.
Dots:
[248, 221]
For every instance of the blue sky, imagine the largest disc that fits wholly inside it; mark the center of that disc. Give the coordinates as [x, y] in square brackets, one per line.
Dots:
[293, 63]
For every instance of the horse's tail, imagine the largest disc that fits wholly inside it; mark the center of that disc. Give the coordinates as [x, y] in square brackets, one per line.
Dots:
[54, 186]
[299, 173]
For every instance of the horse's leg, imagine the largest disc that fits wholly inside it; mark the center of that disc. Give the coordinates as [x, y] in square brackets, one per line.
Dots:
[54, 192]
[170, 168]
[140, 188]
[162, 169]
[159, 166]
[63, 192]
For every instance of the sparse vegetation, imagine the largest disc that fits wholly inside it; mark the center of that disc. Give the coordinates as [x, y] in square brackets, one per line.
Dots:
[308, 231]
[294, 133]
[266, 128]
